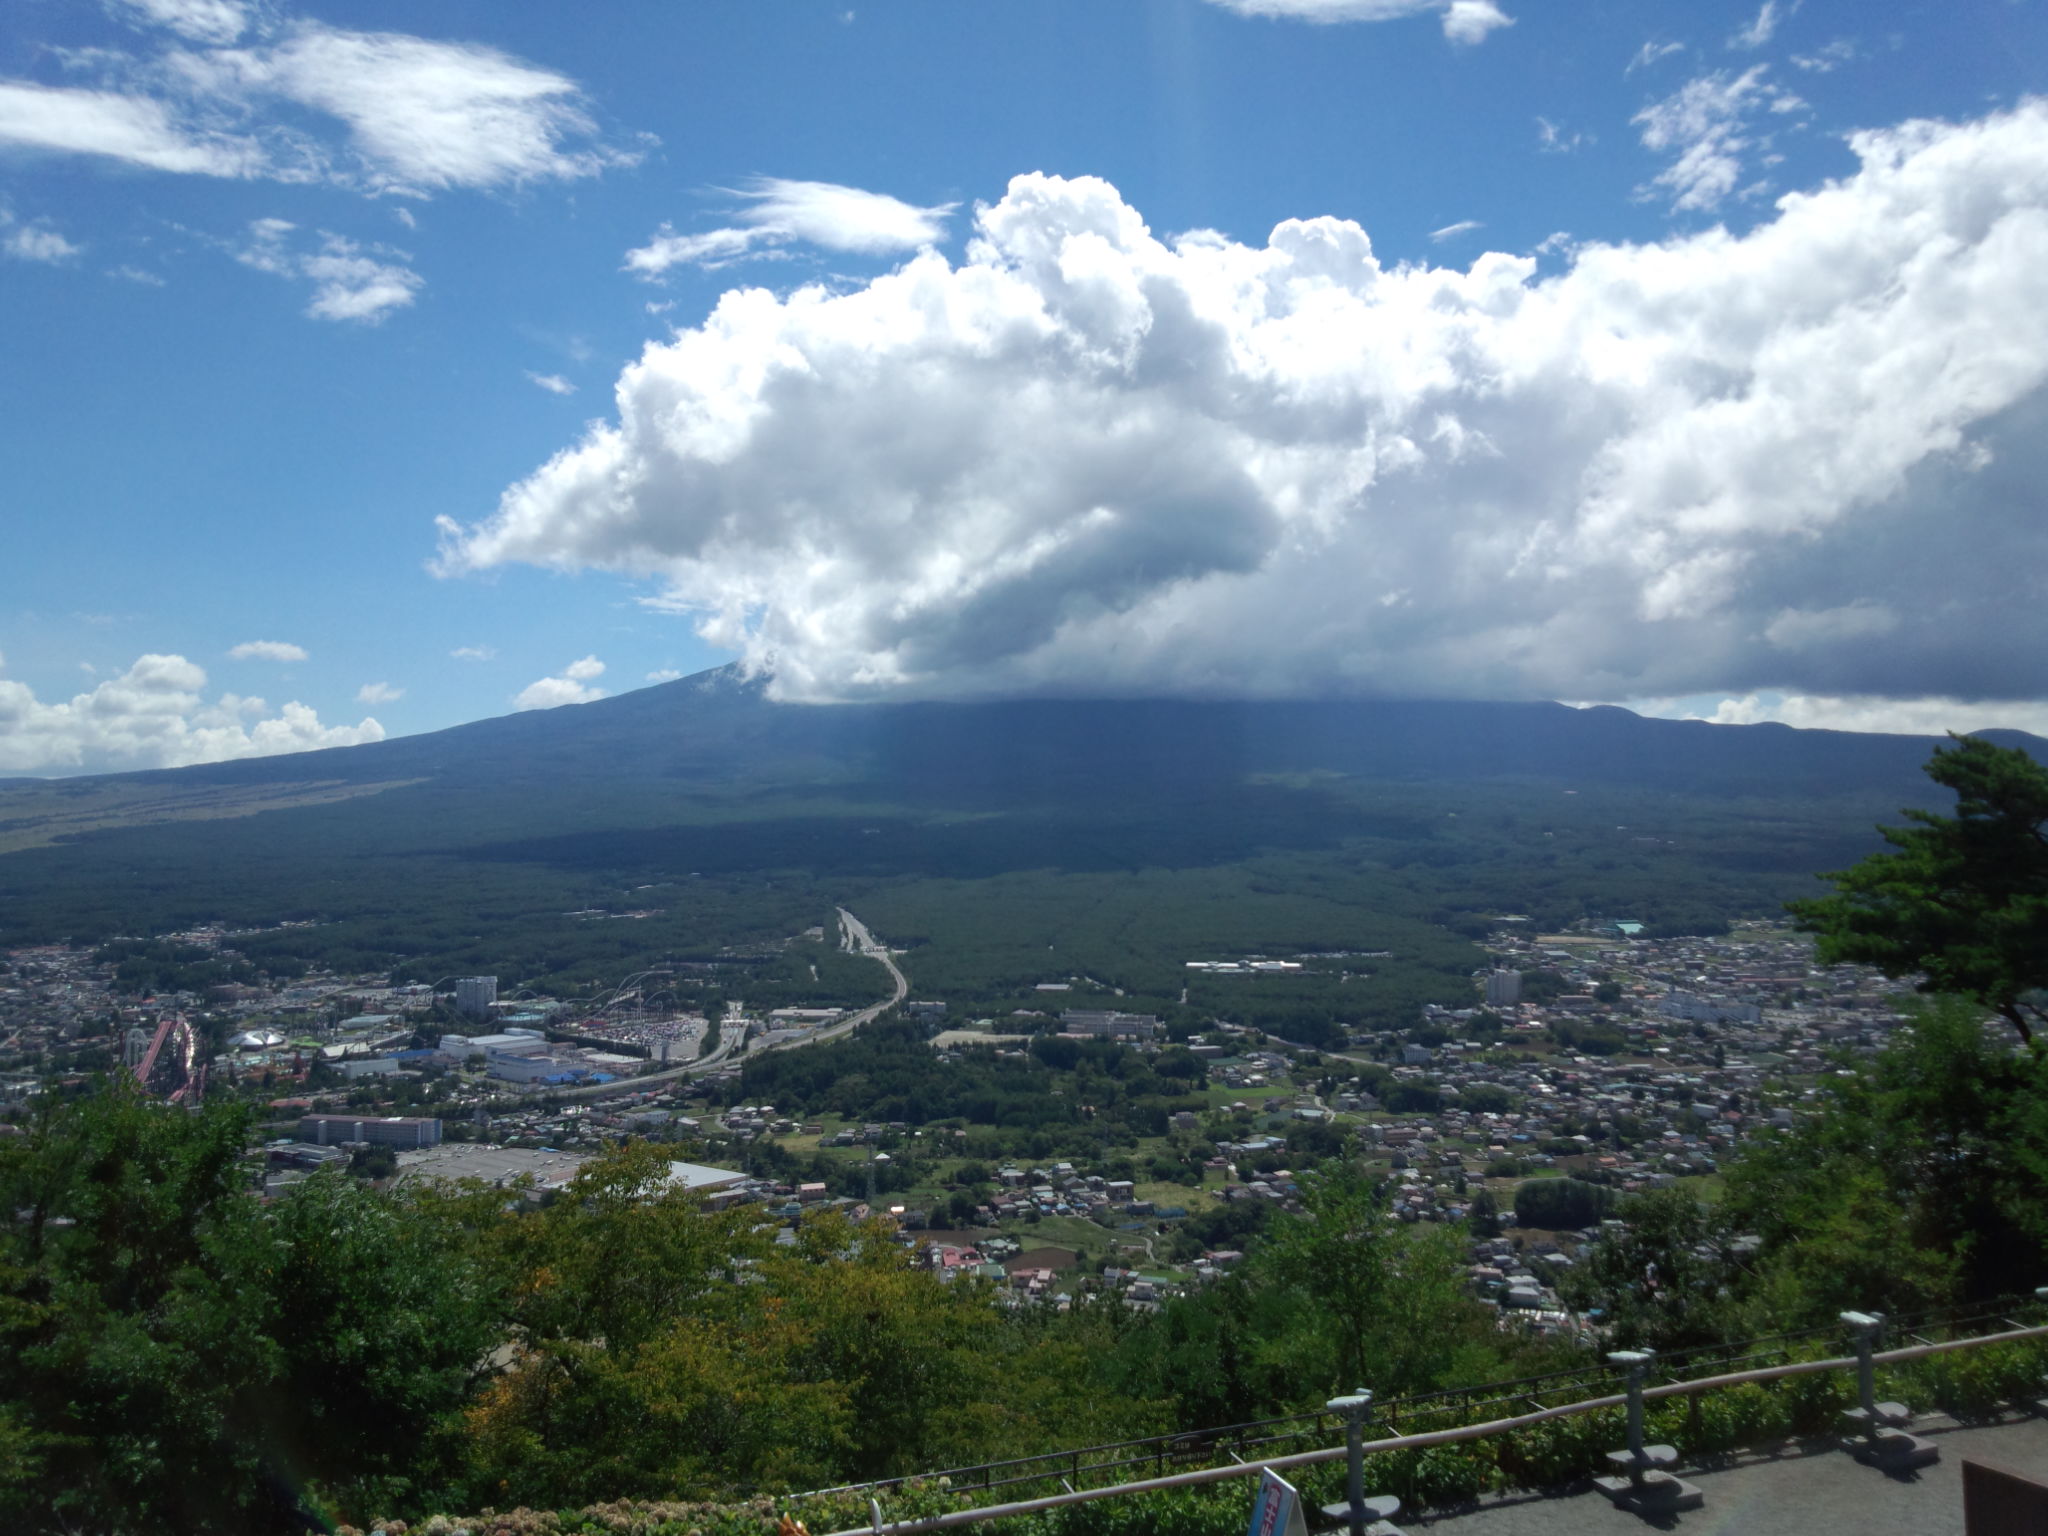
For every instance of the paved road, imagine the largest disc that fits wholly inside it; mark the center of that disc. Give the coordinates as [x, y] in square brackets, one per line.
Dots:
[627, 1085]
[860, 941]
[1791, 1495]
[857, 939]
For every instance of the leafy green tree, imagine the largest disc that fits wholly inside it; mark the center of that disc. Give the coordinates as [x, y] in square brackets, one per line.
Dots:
[134, 1324]
[1921, 1176]
[1482, 1217]
[1556, 1205]
[1962, 902]
[385, 1310]
[1384, 1303]
[1663, 1279]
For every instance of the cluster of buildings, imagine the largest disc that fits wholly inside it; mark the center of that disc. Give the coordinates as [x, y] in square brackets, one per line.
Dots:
[1630, 1061]
[1059, 1191]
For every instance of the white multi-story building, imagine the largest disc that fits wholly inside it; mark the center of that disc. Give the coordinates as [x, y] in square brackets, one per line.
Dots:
[474, 995]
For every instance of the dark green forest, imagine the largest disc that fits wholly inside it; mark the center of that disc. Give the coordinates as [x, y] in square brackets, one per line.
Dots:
[1095, 844]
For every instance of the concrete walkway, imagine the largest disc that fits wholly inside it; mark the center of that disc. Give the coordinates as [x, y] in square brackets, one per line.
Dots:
[1800, 1493]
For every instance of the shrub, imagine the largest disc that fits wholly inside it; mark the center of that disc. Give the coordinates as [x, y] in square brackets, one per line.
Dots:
[1560, 1451]
[1972, 1384]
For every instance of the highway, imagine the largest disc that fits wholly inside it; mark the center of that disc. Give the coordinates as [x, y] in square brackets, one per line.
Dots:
[855, 937]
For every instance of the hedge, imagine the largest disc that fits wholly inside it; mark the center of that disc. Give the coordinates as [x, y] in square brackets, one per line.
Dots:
[1972, 1385]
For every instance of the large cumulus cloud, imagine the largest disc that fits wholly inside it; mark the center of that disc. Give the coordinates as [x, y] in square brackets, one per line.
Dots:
[1088, 459]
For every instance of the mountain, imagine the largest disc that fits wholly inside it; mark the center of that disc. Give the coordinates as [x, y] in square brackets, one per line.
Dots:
[717, 728]
[1006, 842]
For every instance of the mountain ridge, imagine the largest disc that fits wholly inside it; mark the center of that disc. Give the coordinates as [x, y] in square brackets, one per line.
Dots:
[716, 726]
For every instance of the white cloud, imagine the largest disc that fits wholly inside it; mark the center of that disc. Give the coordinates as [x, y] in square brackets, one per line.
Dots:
[1468, 21]
[378, 693]
[135, 129]
[36, 242]
[414, 115]
[422, 114]
[1452, 231]
[1827, 59]
[1473, 17]
[663, 675]
[474, 653]
[1705, 124]
[154, 716]
[129, 274]
[1330, 10]
[1085, 459]
[1553, 140]
[780, 212]
[1759, 31]
[1650, 53]
[553, 383]
[268, 650]
[1464, 21]
[1864, 712]
[202, 21]
[347, 284]
[571, 686]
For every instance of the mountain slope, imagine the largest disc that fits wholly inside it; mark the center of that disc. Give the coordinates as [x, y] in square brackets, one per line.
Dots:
[1012, 842]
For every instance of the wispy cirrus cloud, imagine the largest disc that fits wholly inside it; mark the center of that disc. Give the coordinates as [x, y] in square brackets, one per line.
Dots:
[1759, 30]
[777, 213]
[1826, 59]
[202, 21]
[1651, 53]
[553, 383]
[228, 94]
[1708, 127]
[1463, 21]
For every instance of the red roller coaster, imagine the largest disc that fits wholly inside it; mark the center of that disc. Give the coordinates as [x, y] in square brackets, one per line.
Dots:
[171, 1069]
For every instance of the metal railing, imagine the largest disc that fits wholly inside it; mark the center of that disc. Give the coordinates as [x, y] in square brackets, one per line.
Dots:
[1313, 1424]
[1078, 1466]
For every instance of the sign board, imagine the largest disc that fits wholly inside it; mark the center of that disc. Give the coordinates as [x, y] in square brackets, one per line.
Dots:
[1277, 1510]
[1997, 1502]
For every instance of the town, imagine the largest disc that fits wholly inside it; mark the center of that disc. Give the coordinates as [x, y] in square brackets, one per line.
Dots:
[1588, 1064]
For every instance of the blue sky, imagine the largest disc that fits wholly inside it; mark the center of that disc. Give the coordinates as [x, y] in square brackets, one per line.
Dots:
[309, 313]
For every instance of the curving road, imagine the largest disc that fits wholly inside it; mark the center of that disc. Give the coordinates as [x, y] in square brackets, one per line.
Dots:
[857, 939]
